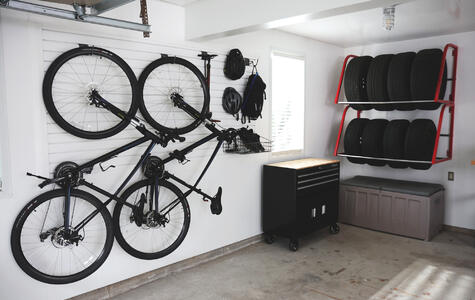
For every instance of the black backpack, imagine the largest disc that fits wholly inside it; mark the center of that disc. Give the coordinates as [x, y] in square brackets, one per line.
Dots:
[232, 102]
[234, 66]
[254, 96]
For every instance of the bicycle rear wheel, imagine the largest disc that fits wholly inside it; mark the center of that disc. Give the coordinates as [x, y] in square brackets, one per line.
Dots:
[40, 244]
[71, 78]
[159, 81]
[143, 233]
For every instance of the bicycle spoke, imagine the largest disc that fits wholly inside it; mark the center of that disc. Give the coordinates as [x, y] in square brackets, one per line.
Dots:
[168, 80]
[153, 238]
[52, 256]
[71, 84]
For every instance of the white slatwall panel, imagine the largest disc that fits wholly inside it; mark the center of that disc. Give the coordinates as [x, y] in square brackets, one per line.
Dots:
[63, 146]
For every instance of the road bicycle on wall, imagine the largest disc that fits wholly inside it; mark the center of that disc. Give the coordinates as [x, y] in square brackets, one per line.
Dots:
[64, 235]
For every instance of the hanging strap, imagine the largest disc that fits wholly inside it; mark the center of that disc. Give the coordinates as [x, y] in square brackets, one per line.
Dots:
[250, 89]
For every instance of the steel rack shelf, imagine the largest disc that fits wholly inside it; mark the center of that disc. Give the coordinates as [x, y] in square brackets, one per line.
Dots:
[450, 103]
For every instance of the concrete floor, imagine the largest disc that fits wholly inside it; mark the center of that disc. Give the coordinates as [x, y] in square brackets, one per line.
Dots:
[354, 264]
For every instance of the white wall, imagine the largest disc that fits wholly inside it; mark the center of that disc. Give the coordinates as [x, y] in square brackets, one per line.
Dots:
[21, 44]
[460, 194]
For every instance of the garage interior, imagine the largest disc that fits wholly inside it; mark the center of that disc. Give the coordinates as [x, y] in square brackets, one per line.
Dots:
[307, 149]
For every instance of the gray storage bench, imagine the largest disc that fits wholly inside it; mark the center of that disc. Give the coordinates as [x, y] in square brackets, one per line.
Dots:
[409, 208]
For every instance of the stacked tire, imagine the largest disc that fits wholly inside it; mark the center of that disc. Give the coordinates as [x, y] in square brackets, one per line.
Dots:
[395, 139]
[407, 77]
[355, 82]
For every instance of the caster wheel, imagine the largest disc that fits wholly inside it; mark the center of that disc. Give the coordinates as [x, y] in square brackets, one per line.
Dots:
[294, 245]
[269, 238]
[334, 229]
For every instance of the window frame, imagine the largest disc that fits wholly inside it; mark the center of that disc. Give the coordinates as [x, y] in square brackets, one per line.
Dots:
[5, 175]
[294, 55]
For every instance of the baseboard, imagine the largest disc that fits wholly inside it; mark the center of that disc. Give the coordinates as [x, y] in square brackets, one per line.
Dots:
[459, 229]
[139, 280]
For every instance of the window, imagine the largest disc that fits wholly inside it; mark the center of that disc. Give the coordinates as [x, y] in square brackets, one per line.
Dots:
[288, 101]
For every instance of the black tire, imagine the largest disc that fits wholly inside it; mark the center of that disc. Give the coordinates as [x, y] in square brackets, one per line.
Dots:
[163, 97]
[352, 139]
[372, 141]
[378, 82]
[399, 79]
[269, 238]
[419, 143]
[355, 81]
[294, 245]
[175, 193]
[424, 75]
[393, 142]
[33, 206]
[61, 113]
[334, 228]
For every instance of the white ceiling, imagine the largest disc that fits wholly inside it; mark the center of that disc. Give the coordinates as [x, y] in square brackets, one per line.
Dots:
[180, 2]
[421, 18]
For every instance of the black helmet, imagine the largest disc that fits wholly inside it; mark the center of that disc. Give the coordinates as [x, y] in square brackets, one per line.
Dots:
[232, 101]
[234, 66]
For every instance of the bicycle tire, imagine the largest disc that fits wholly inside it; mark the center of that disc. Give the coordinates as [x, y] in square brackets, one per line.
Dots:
[32, 206]
[60, 118]
[147, 113]
[119, 232]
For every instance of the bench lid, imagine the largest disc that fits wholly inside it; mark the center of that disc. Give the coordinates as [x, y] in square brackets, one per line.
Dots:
[395, 185]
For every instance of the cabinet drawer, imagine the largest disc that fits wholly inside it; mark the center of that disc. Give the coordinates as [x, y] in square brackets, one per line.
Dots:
[308, 171]
[317, 182]
[314, 177]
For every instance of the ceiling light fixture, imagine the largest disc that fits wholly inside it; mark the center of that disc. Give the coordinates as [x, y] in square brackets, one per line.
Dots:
[388, 17]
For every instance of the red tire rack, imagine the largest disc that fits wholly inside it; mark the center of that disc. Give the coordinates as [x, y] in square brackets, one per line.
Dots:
[445, 103]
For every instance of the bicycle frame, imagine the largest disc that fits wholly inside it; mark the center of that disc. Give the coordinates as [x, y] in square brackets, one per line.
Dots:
[154, 139]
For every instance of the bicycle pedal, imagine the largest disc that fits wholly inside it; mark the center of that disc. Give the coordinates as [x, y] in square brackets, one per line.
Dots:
[216, 207]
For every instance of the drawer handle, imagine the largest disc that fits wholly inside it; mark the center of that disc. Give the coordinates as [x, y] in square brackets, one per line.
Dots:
[318, 178]
[319, 172]
[320, 183]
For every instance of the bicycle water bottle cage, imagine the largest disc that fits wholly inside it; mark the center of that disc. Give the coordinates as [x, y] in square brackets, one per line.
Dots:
[108, 167]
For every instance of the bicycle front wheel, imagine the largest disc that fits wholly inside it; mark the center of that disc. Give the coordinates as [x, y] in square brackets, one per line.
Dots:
[164, 78]
[69, 82]
[41, 245]
[144, 233]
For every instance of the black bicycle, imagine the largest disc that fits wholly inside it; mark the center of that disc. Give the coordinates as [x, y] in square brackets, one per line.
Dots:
[64, 235]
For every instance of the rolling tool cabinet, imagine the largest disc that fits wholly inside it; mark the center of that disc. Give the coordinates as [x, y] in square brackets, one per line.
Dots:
[299, 197]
